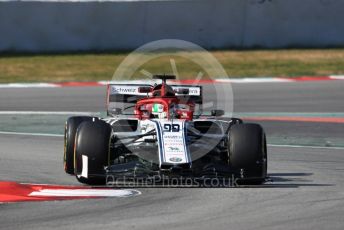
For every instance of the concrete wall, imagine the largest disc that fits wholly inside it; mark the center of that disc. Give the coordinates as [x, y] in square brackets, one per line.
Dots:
[69, 26]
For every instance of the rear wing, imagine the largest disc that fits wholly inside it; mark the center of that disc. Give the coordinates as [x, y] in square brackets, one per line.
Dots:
[121, 96]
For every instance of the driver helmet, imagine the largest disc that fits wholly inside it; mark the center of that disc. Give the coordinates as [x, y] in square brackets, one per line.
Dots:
[158, 111]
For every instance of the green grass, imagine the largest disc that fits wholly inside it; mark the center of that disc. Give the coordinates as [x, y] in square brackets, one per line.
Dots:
[93, 67]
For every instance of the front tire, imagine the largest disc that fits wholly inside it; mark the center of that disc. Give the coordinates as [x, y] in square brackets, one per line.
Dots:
[92, 152]
[71, 126]
[247, 152]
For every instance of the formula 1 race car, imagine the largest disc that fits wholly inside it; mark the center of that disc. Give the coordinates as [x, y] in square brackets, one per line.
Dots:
[159, 131]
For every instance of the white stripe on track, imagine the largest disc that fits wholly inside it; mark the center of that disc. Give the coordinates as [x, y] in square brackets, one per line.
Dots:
[337, 77]
[29, 85]
[306, 146]
[87, 192]
[147, 81]
[32, 134]
[46, 113]
[253, 80]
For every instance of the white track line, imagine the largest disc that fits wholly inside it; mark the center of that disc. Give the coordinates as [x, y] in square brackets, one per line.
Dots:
[46, 113]
[306, 146]
[29, 85]
[85, 192]
[337, 77]
[254, 80]
[150, 81]
[32, 134]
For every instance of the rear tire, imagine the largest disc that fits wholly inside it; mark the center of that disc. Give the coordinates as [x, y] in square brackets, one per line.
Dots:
[247, 152]
[92, 143]
[71, 126]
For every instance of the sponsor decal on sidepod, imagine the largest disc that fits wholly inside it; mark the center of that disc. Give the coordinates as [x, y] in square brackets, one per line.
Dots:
[175, 159]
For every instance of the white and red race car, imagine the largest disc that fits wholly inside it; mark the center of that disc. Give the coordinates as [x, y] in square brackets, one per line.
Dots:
[157, 131]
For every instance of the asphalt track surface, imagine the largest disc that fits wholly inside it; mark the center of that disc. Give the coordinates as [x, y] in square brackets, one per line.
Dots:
[321, 96]
[307, 188]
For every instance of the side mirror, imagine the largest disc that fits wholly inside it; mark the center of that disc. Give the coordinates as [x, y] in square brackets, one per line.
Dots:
[182, 91]
[145, 89]
[217, 112]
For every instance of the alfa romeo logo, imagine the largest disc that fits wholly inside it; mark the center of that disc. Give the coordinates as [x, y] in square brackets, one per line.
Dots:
[176, 159]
